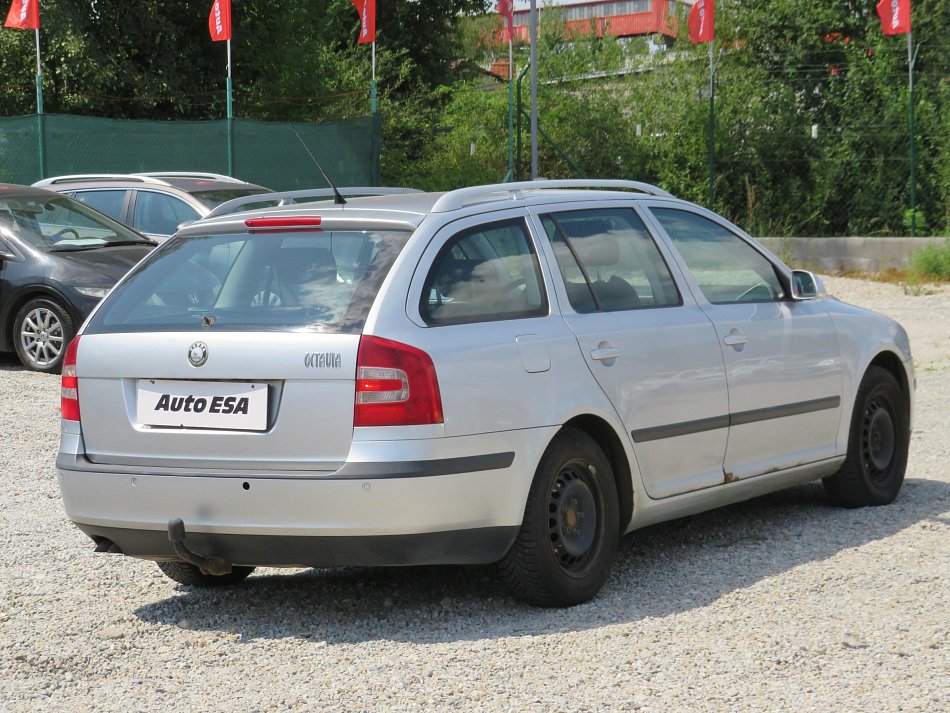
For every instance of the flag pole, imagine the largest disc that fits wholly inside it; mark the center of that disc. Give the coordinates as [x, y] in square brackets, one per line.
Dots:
[511, 109]
[911, 61]
[372, 85]
[230, 103]
[710, 140]
[40, 124]
[534, 90]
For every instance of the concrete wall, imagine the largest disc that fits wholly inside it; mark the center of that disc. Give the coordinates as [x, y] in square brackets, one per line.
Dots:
[847, 254]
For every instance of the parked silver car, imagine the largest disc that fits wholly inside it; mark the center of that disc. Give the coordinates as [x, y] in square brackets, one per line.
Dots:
[517, 373]
[155, 204]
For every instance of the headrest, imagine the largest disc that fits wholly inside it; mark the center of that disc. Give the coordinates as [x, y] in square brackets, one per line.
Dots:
[600, 250]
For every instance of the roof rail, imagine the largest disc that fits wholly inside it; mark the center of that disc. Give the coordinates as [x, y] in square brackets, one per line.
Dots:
[290, 197]
[453, 200]
[191, 174]
[78, 177]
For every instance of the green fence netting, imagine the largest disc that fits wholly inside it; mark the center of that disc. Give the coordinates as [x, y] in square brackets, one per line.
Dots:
[270, 154]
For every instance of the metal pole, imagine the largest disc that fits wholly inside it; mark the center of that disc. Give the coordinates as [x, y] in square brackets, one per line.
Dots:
[534, 89]
[911, 61]
[711, 138]
[519, 113]
[40, 123]
[511, 113]
[230, 117]
[372, 86]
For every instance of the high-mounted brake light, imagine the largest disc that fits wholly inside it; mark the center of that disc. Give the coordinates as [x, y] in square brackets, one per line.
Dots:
[286, 222]
[396, 385]
[69, 389]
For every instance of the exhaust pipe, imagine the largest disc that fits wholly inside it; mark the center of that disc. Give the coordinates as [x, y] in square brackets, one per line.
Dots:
[207, 565]
[104, 544]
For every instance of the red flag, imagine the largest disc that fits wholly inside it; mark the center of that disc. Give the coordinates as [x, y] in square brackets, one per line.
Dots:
[24, 15]
[702, 21]
[367, 11]
[506, 8]
[219, 20]
[895, 16]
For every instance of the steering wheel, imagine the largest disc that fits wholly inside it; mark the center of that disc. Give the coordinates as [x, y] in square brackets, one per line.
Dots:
[62, 233]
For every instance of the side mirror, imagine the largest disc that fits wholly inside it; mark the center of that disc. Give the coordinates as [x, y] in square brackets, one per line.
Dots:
[806, 285]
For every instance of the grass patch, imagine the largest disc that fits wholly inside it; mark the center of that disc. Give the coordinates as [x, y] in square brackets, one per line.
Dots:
[930, 264]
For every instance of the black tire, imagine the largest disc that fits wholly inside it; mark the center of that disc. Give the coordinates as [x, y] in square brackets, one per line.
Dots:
[41, 332]
[873, 471]
[186, 573]
[569, 536]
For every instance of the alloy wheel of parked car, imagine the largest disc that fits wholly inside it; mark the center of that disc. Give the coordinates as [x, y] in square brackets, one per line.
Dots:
[43, 330]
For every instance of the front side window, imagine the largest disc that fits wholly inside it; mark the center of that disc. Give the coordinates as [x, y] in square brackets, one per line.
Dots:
[489, 272]
[158, 214]
[323, 281]
[609, 261]
[112, 203]
[726, 268]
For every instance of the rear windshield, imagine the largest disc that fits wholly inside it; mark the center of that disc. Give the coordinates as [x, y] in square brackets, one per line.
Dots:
[316, 281]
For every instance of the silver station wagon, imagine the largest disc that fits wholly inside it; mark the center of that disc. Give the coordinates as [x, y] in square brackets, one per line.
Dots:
[516, 374]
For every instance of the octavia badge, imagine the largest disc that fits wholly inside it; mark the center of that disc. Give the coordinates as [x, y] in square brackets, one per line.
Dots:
[198, 353]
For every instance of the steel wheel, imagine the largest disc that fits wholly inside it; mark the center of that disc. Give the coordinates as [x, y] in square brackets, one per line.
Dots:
[572, 524]
[570, 532]
[873, 470]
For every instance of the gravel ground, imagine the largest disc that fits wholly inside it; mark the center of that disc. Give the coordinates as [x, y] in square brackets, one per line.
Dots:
[781, 603]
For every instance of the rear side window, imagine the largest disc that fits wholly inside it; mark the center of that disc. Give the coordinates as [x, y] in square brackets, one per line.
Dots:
[726, 268]
[609, 261]
[318, 281]
[159, 214]
[486, 273]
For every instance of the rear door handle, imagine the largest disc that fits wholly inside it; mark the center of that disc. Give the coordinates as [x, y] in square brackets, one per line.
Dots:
[602, 353]
[735, 340]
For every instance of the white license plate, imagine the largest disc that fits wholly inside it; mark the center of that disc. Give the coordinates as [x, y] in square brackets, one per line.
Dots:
[202, 404]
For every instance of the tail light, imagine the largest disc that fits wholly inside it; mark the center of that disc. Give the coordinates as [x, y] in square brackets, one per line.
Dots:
[69, 389]
[396, 385]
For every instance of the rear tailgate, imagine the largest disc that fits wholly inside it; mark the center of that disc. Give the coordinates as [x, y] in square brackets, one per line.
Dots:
[267, 401]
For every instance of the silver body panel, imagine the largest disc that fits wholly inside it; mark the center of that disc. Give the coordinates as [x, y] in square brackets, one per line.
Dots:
[699, 422]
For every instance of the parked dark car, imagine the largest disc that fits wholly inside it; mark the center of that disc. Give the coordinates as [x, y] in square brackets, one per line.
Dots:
[58, 258]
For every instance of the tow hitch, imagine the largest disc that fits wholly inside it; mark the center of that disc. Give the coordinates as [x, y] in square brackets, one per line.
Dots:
[207, 565]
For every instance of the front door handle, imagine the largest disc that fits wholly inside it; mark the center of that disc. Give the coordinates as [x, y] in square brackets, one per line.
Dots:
[736, 339]
[602, 353]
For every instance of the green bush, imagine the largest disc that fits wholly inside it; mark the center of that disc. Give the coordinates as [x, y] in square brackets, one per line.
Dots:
[931, 262]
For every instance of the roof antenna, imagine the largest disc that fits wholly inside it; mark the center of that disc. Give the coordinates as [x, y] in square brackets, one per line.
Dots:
[337, 196]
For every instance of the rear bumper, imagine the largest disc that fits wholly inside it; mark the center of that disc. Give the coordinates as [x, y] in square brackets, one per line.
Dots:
[432, 505]
[480, 545]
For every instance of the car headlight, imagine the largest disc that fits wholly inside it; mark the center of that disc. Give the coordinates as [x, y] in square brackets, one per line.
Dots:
[97, 292]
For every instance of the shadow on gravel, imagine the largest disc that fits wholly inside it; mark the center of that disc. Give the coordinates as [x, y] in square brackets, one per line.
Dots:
[10, 362]
[664, 569]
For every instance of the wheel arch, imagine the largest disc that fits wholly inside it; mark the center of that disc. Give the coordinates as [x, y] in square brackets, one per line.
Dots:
[610, 442]
[891, 362]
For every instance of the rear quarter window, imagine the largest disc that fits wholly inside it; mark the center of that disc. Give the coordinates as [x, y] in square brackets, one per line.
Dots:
[319, 281]
[486, 273]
